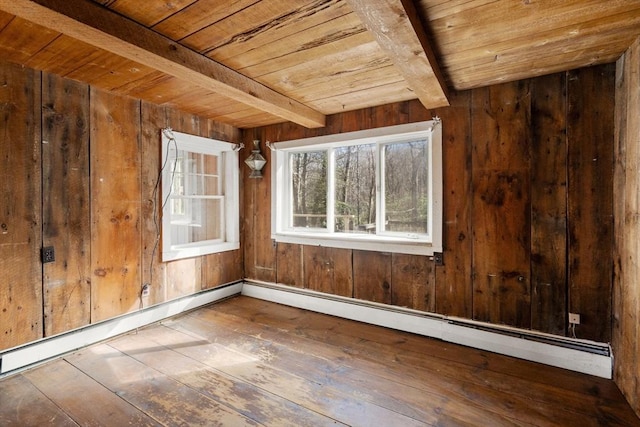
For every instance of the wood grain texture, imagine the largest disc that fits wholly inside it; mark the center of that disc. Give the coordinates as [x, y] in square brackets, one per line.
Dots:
[590, 129]
[332, 39]
[182, 406]
[478, 49]
[396, 26]
[20, 39]
[454, 290]
[148, 13]
[196, 21]
[372, 275]
[115, 205]
[113, 33]
[20, 396]
[252, 401]
[314, 54]
[553, 396]
[501, 204]
[153, 270]
[20, 206]
[66, 222]
[413, 282]
[310, 27]
[285, 376]
[626, 289]
[549, 204]
[290, 269]
[65, 384]
[279, 365]
[329, 270]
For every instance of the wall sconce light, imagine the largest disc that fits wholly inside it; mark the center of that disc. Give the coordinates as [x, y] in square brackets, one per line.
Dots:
[255, 161]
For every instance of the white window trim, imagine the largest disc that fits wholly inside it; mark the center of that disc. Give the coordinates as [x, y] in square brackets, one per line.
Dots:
[231, 211]
[280, 231]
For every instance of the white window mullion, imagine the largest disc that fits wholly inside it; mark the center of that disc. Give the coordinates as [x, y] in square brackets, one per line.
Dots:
[380, 208]
[331, 190]
[221, 169]
[289, 194]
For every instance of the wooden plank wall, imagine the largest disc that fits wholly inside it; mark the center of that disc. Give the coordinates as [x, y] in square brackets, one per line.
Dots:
[626, 289]
[66, 216]
[88, 190]
[509, 205]
[20, 206]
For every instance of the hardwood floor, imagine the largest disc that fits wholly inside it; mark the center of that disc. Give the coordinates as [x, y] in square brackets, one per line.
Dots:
[250, 362]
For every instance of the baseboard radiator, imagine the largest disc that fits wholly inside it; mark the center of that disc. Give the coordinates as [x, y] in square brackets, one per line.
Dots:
[577, 355]
[18, 358]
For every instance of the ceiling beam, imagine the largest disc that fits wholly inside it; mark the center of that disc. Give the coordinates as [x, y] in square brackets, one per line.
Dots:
[396, 26]
[91, 23]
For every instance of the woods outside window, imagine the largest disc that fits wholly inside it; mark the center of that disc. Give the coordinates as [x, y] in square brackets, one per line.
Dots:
[379, 189]
[200, 193]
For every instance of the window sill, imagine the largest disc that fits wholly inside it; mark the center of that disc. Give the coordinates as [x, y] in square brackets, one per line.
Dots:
[365, 243]
[186, 251]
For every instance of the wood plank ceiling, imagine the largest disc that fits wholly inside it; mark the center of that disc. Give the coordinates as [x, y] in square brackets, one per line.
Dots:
[256, 62]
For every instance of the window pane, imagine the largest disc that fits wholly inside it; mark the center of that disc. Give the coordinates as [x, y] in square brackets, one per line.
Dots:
[203, 221]
[355, 189]
[203, 178]
[178, 184]
[406, 187]
[309, 191]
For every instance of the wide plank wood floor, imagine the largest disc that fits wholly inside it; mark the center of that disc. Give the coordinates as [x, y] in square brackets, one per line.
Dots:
[249, 362]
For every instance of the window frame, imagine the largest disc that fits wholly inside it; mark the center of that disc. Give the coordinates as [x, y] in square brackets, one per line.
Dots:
[229, 174]
[397, 242]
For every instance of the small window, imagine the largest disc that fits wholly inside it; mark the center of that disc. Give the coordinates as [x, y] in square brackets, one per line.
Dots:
[200, 193]
[379, 189]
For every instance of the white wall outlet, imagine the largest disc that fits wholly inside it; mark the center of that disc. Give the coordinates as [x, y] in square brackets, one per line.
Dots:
[574, 319]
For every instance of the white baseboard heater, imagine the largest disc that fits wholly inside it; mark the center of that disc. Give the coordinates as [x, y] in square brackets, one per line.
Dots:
[33, 353]
[584, 356]
[578, 355]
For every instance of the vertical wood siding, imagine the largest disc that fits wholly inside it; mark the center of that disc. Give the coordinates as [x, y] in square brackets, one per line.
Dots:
[516, 184]
[20, 206]
[453, 280]
[590, 131]
[97, 167]
[115, 205]
[528, 212]
[501, 204]
[66, 221]
[626, 290]
[549, 204]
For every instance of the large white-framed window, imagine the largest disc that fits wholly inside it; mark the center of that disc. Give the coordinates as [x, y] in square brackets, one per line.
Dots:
[378, 189]
[200, 196]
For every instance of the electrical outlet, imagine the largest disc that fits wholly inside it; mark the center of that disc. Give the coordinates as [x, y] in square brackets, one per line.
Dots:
[438, 258]
[146, 290]
[574, 319]
[48, 254]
